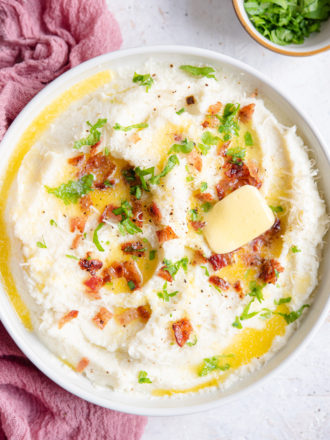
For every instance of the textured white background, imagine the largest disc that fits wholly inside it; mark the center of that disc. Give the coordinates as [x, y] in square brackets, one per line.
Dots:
[295, 404]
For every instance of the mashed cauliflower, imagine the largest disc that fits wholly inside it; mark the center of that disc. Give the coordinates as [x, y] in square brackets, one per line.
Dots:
[108, 209]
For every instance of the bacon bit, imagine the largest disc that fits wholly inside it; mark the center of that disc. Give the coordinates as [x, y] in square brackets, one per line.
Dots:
[198, 258]
[197, 225]
[218, 261]
[194, 159]
[128, 316]
[155, 212]
[215, 108]
[219, 282]
[210, 121]
[204, 197]
[134, 138]
[67, 317]
[82, 364]
[100, 165]
[252, 259]
[239, 289]
[108, 214]
[255, 93]
[267, 237]
[76, 160]
[132, 273]
[236, 175]
[137, 213]
[93, 148]
[268, 270]
[76, 241]
[222, 149]
[109, 273]
[165, 274]
[178, 137]
[85, 203]
[102, 185]
[144, 312]
[102, 318]
[133, 248]
[182, 330]
[92, 266]
[190, 100]
[246, 112]
[165, 234]
[93, 283]
[77, 223]
[205, 124]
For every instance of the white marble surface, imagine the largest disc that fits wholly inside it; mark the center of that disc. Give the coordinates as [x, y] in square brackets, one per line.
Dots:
[295, 404]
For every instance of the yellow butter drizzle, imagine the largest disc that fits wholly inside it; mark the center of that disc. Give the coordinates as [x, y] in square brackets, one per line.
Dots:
[27, 140]
[248, 344]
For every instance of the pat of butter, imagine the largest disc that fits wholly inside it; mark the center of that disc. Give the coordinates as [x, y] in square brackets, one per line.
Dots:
[237, 219]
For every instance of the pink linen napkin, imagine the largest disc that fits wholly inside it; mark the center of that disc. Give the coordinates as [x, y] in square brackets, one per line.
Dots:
[32, 407]
[39, 40]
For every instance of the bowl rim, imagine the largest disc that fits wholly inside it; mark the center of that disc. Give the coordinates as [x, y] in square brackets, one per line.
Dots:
[252, 31]
[64, 380]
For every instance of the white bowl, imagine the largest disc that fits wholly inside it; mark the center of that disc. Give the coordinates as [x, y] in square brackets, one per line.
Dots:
[316, 43]
[287, 113]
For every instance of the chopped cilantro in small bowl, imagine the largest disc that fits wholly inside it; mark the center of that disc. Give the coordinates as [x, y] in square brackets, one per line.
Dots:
[289, 27]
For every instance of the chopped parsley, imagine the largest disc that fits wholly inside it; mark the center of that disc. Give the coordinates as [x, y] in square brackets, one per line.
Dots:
[192, 342]
[164, 294]
[130, 127]
[185, 147]
[172, 161]
[152, 254]
[209, 139]
[213, 363]
[143, 377]
[96, 238]
[203, 186]
[246, 314]
[144, 80]
[276, 209]
[72, 257]
[207, 273]
[256, 291]
[179, 112]
[295, 249]
[42, 244]
[106, 151]
[73, 190]
[237, 323]
[126, 225]
[237, 154]
[52, 222]
[173, 268]
[228, 124]
[292, 316]
[282, 301]
[199, 71]
[94, 134]
[142, 174]
[265, 313]
[204, 149]
[248, 139]
[131, 284]
[193, 215]
[287, 21]
[206, 206]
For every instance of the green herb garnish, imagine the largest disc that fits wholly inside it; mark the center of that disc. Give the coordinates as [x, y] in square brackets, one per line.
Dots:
[246, 314]
[276, 209]
[192, 342]
[237, 154]
[237, 323]
[256, 291]
[204, 149]
[213, 363]
[172, 161]
[143, 377]
[295, 249]
[206, 206]
[52, 222]
[248, 139]
[199, 71]
[265, 313]
[106, 151]
[144, 80]
[131, 284]
[292, 316]
[173, 268]
[282, 301]
[209, 139]
[42, 244]
[193, 215]
[94, 134]
[72, 257]
[130, 127]
[228, 124]
[73, 190]
[185, 147]
[203, 186]
[287, 21]
[207, 273]
[179, 112]
[164, 294]
[96, 238]
[152, 254]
